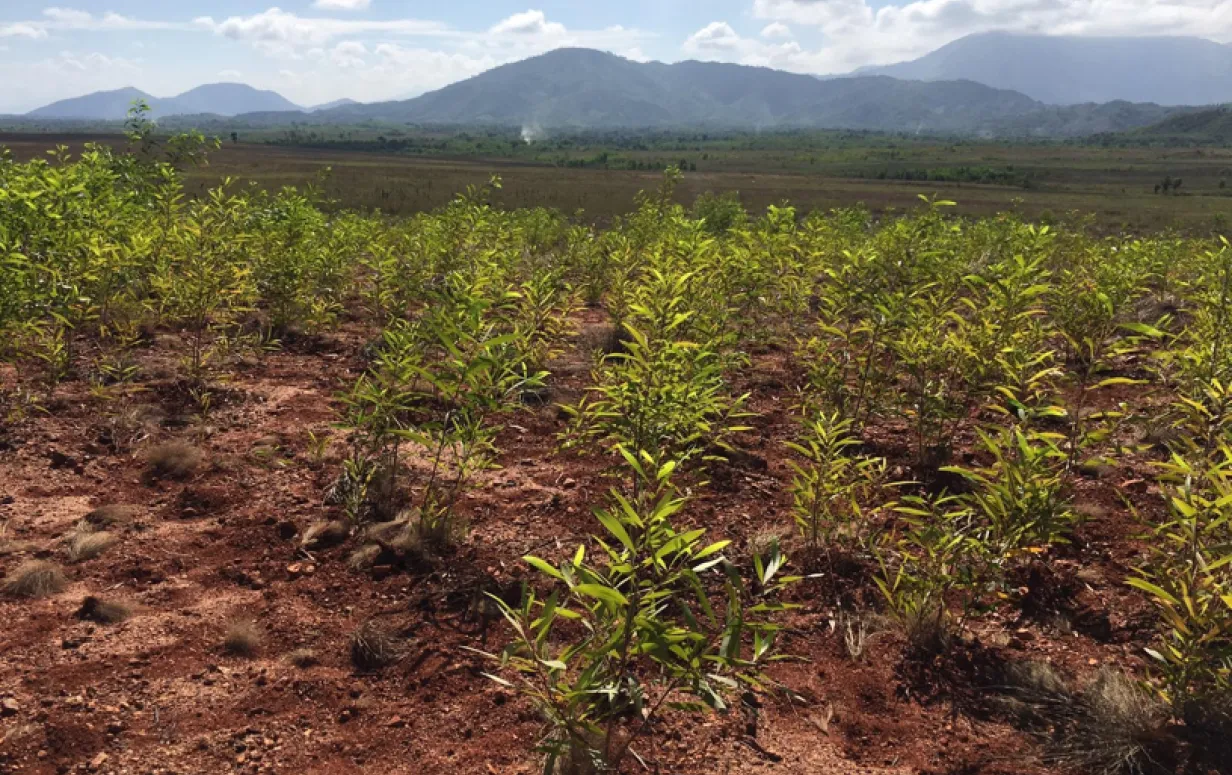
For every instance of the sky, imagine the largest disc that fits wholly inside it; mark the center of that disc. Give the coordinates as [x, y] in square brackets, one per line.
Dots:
[316, 51]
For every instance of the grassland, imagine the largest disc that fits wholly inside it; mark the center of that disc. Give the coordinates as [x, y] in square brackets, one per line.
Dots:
[1043, 181]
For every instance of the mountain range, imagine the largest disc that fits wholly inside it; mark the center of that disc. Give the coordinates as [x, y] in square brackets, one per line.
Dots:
[1036, 86]
[221, 99]
[1068, 70]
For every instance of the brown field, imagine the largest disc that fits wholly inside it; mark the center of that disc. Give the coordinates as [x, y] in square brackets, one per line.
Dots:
[1114, 186]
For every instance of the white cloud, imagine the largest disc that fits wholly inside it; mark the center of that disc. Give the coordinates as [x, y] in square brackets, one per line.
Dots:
[776, 30]
[534, 23]
[855, 33]
[715, 36]
[281, 28]
[349, 54]
[718, 41]
[22, 30]
[342, 5]
[68, 16]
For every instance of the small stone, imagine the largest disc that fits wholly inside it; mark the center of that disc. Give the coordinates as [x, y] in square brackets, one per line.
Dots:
[9, 707]
[98, 761]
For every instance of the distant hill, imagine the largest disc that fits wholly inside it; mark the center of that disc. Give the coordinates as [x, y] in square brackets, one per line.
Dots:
[342, 103]
[221, 99]
[1201, 127]
[582, 89]
[101, 106]
[1067, 70]
[585, 89]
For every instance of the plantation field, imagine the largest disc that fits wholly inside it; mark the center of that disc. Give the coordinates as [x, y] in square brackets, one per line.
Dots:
[486, 489]
[1115, 186]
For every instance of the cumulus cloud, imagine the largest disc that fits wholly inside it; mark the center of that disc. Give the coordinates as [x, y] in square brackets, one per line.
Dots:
[719, 41]
[342, 5]
[776, 30]
[283, 28]
[715, 36]
[528, 23]
[349, 54]
[855, 33]
[22, 30]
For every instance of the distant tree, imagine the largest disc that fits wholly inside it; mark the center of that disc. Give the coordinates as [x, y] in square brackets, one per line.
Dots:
[1176, 185]
[235, 137]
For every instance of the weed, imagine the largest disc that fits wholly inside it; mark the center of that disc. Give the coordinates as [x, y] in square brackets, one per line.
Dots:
[35, 579]
[304, 658]
[242, 638]
[112, 515]
[86, 544]
[174, 460]
[96, 609]
[373, 647]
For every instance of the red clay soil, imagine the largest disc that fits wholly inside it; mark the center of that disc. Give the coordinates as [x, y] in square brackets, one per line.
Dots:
[157, 693]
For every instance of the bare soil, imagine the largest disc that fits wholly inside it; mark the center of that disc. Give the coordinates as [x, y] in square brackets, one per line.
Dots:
[158, 693]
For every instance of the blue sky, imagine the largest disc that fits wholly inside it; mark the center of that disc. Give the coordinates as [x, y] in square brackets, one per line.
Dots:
[314, 51]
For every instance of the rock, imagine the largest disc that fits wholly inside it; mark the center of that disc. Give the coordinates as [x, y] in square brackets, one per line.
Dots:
[9, 707]
[98, 761]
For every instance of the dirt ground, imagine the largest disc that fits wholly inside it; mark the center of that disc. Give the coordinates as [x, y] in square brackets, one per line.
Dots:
[158, 693]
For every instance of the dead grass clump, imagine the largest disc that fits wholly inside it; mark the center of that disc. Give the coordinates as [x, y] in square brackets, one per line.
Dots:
[364, 557]
[242, 638]
[36, 578]
[304, 658]
[1111, 726]
[86, 544]
[373, 647]
[324, 534]
[1117, 728]
[112, 515]
[857, 631]
[95, 609]
[173, 460]
[9, 546]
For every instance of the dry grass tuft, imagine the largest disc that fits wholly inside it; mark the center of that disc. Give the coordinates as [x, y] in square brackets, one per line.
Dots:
[857, 631]
[173, 460]
[242, 638]
[1111, 726]
[1116, 728]
[304, 658]
[96, 609]
[9, 546]
[34, 579]
[324, 534]
[364, 557]
[85, 544]
[112, 515]
[373, 647]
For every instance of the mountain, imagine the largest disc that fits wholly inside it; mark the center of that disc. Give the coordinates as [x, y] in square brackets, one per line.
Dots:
[582, 89]
[222, 99]
[103, 105]
[342, 103]
[585, 89]
[1200, 127]
[1068, 70]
